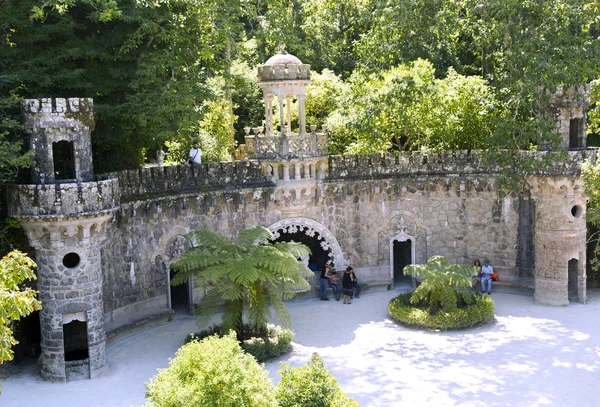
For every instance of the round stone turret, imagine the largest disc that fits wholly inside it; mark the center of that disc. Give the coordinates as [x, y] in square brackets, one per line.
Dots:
[60, 137]
[66, 214]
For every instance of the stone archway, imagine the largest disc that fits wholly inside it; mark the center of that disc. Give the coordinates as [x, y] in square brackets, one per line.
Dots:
[170, 246]
[311, 228]
[406, 240]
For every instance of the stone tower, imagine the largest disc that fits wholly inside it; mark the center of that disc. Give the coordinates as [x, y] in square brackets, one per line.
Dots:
[570, 106]
[296, 161]
[65, 213]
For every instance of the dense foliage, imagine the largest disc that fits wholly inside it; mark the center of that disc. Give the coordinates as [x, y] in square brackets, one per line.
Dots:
[16, 301]
[272, 343]
[248, 276]
[480, 311]
[165, 71]
[310, 386]
[214, 372]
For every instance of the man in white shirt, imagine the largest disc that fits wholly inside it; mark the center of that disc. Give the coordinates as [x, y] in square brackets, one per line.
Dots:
[486, 277]
[195, 154]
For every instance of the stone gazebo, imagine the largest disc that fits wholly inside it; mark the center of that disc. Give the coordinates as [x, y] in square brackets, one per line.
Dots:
[286, 156]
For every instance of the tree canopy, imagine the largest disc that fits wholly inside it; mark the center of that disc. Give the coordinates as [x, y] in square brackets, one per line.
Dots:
[170, 71]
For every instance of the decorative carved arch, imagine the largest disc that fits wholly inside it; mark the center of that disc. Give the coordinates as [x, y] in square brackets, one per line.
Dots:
[310, 227]
[402, 235]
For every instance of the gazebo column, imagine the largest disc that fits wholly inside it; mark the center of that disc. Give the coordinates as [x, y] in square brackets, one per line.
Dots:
[302, 113]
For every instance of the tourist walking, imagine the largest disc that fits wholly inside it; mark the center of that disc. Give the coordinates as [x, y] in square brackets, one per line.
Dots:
[486, 277]
[348, 286]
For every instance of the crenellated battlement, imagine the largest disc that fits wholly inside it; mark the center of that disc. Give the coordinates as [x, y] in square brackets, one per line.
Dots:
[58, 113]
[161, 181]
[67, 199]
[391, 165]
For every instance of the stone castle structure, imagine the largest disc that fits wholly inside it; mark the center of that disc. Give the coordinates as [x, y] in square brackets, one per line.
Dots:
[104, 244]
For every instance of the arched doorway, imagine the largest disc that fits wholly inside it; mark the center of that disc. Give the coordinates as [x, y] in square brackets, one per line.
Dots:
[180, 295]
[318, 234]
[402, 253]
[319, 256]
[573, 276]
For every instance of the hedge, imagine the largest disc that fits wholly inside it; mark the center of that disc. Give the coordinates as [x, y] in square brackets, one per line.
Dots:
[479, 312]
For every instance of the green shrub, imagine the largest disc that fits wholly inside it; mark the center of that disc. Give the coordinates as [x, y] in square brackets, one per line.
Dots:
[213, 372]
[275, 342]
[310, 386]
[480, 311]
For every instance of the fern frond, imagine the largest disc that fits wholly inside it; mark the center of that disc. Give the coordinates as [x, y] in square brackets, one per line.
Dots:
[207, 238]
[448, 298]
[281, 311]
[254, 236]
[207, 307]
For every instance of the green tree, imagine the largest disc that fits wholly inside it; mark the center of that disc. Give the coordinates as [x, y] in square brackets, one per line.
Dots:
[407, 108]
[247, 275]
[146, 64]
[310, 386]
[15, 301]
[444, 285]
[214, 372]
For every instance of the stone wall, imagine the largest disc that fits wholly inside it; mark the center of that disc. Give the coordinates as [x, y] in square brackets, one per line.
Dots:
[432, 164]
[146, 183]
[443, 204]
[63, 199]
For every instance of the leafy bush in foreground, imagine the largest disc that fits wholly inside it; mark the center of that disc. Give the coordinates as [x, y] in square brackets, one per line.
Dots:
[310, 386]
[214, 372]
[274, 343]
[480, 311]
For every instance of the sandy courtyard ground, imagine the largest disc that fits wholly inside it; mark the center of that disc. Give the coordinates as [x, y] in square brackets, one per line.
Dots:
[532, 355]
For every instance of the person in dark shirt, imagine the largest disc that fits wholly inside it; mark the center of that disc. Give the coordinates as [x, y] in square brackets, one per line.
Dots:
[348, 286]
[323, 282]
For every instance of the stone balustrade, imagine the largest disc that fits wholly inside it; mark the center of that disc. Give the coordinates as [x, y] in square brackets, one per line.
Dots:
[63, 199]
[290, 146]
[283, 72]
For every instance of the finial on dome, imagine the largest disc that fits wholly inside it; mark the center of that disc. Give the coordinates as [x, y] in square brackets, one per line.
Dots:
[282, 49]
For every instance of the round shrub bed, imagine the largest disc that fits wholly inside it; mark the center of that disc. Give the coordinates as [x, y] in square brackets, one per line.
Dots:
[277, 341]
[467, 316]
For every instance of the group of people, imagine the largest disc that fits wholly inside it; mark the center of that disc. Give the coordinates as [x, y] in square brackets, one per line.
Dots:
[484, 276]
[330, 278]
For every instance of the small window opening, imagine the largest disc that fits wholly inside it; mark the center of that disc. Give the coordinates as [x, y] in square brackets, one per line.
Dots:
[64, 160]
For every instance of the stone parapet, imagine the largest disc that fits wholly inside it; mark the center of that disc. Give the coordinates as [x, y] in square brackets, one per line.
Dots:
[458, 162]
[63, 199]
[173, 180]
[291, 146]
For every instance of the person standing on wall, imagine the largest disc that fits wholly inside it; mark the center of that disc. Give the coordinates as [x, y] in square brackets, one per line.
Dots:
[195, 155]
[486, 277]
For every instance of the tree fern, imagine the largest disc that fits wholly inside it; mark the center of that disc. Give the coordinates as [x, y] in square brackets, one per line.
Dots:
[443, 284]
[248, 276]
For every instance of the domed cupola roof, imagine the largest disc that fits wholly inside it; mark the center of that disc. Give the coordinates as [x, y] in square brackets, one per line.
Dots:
[283, 58]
